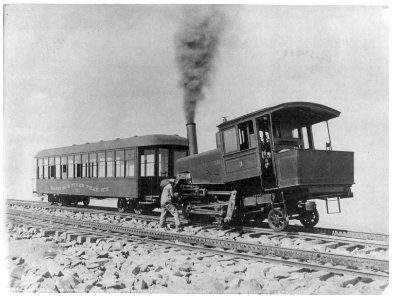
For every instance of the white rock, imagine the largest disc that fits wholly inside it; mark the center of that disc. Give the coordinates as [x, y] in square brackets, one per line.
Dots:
[251, 286]
[238, 268]
[55, 270]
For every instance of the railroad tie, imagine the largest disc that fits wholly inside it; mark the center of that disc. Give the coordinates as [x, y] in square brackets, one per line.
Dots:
[345, 280]
[79, 237]
[368, 250]
[347, 248]
[47, 232]
[59, 234]
[381, 284]
[321, 275]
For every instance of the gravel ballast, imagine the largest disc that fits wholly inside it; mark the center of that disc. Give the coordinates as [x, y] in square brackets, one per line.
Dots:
[53, 264]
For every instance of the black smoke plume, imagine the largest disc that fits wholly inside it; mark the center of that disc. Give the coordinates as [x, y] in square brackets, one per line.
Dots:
[196, 48]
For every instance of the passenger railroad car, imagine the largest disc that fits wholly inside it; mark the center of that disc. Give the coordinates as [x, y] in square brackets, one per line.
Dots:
[129, 169]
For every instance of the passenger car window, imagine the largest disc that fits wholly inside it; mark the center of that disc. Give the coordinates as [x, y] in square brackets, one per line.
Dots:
[40, 167]
[57, 166]
[110, 163]
[102, 164]
[45, 167]
[129, 162]
[120, 163]
[163, 162]
[147, 161]
[78, 166]
[52, 168]
[92, 165]
[64, 167]
[70, 171]
[85, 166]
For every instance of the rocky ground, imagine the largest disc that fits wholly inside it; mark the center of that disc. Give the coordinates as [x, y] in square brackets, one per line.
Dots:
[53, 264]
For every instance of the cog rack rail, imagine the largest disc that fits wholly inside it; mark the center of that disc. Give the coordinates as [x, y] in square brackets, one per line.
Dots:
[264, 251]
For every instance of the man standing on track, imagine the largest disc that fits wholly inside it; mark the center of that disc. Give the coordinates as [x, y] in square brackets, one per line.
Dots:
[166, 205]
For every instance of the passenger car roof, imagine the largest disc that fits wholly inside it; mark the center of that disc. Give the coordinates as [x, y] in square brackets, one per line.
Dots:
[137, 141]
[306, 113]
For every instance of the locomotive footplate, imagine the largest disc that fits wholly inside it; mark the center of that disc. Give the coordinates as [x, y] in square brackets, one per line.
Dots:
[208, 209]
[221, 209]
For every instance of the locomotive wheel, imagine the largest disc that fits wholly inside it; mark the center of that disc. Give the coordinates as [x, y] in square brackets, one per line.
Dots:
[238, 218]
[185, 210]
[122, 205]
[309, 218]
[51, 199]
[61, 201]
[137, 208]
[85, 201]
[277, 219]
[219, 219]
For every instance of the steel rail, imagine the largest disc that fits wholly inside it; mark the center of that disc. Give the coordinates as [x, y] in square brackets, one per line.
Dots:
[253, 230]
[340, 233]
[324, 257]
[234, 255]
[306, 235]
[290, 228]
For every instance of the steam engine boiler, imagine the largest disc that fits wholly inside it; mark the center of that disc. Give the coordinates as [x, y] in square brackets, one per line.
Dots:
[265, 166]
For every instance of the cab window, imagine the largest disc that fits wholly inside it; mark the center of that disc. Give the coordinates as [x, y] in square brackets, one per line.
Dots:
[230, 140]
[276, 129]
[246, 135]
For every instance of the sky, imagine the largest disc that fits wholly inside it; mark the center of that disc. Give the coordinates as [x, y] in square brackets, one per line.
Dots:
[85, 73]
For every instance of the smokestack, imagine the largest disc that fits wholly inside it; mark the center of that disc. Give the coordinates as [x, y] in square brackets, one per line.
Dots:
[192, 139]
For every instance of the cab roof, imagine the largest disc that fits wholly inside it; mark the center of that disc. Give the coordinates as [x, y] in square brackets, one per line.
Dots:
[302, 113]
[137, 141]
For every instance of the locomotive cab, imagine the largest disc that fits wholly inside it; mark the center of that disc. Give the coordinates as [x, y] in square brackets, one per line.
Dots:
[275, 147]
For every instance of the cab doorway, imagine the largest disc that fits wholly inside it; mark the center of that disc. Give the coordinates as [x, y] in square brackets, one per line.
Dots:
[265, 144]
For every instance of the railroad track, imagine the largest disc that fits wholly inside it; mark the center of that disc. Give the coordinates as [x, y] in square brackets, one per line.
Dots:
[329, 262]
[291, 229]
[261, 236]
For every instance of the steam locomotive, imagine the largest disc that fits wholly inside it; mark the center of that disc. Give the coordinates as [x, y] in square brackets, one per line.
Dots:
[265, 166]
